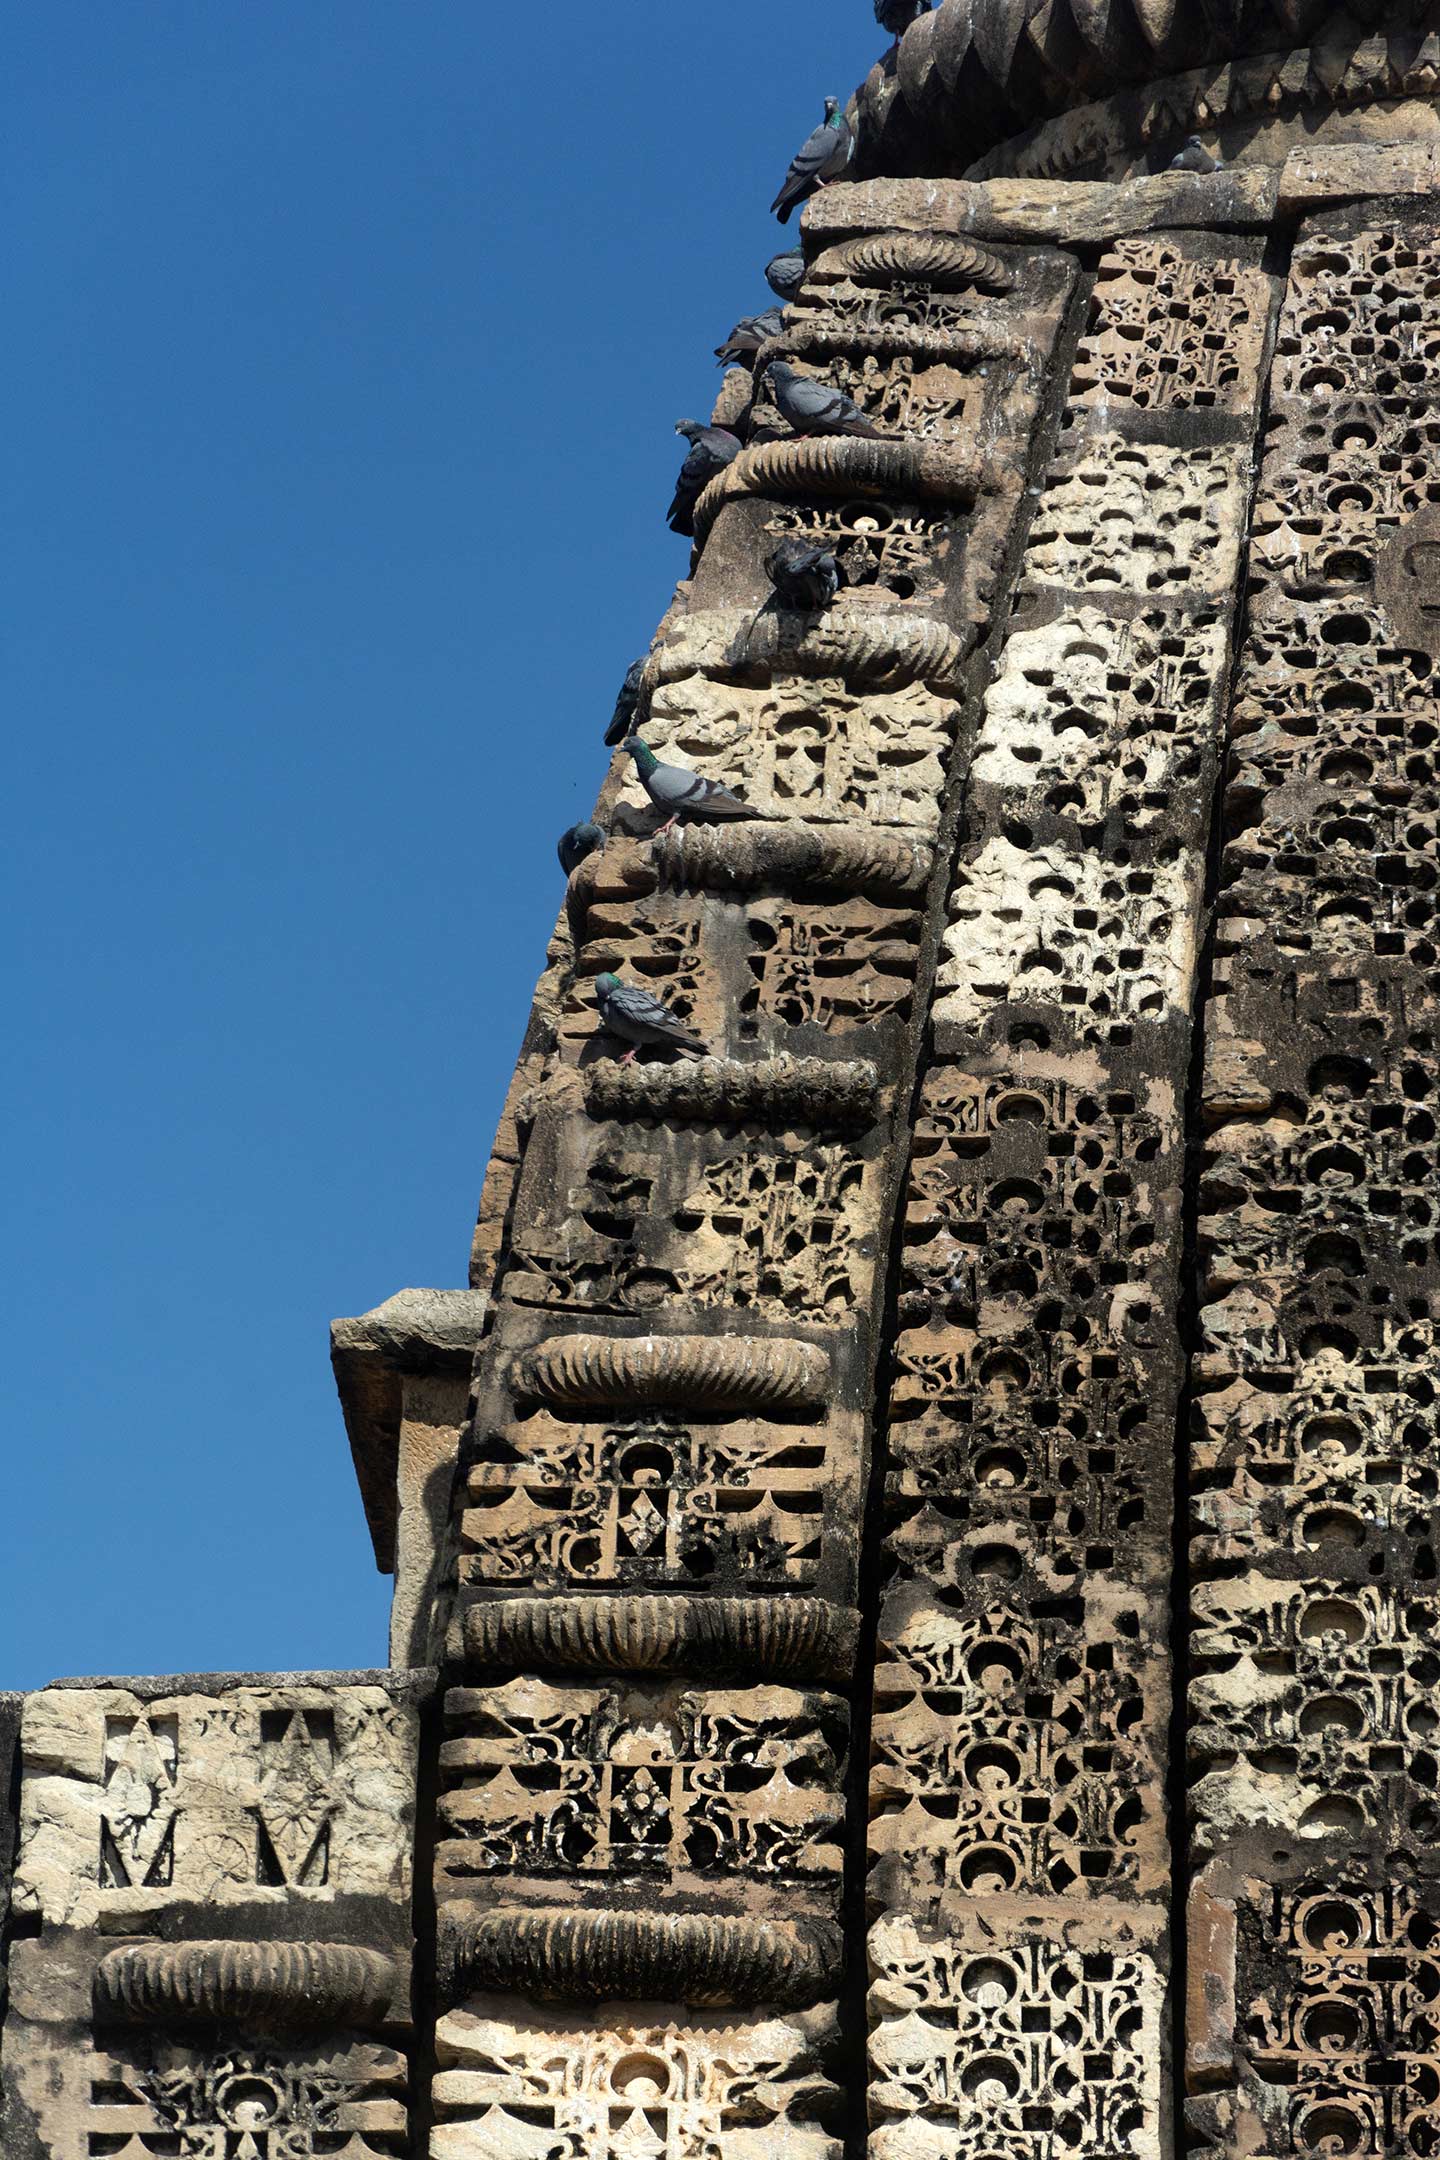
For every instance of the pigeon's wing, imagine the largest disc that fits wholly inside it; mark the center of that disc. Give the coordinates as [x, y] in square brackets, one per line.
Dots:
[785, 274]
[720, 448]
[626, 703]
[673, 787]
[643, 1018]
[809, 164]
[716, 801]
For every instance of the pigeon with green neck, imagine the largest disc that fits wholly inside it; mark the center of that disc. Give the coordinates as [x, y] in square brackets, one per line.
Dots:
[682, 793]
[641, 1020]
[821, 158]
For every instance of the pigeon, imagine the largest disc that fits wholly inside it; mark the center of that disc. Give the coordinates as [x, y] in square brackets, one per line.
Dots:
[641, 1020]
[1194, 157]
[580, 841]
[682, 793]
[805, 578]
[749, 334]
[815, 408]
[785, 274]
[822, 157]
[622, 720]
[711, 449]
[897, 15]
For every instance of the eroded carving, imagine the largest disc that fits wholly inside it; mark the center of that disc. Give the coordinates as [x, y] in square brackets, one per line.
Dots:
[773, 1638]
[698, 1373]
[280, 1985]
[595, 1955]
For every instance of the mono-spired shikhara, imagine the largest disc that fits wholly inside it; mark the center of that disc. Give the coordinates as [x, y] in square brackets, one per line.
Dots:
[917, 1619]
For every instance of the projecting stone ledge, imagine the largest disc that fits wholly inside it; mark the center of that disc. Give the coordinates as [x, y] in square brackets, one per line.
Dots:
[271, 1985]
[721, 1091]
[744, 858]
[599, 1956]
[772, 1638]
[403, 1375]
[701, 1373]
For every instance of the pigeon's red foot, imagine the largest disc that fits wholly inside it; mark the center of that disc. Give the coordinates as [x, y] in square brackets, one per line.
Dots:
[630, 1054]
[656, 835]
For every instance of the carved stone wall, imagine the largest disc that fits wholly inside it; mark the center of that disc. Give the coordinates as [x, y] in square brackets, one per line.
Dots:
[1313, 1701]
[1021, 1870]
[659, 1519]
[213, 1891]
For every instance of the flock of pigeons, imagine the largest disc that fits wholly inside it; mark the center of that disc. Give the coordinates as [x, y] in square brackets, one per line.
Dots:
[804, 578]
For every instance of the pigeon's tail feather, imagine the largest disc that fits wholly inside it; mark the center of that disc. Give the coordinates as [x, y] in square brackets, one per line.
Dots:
[681, 516]
[785, 202]
[868, 428]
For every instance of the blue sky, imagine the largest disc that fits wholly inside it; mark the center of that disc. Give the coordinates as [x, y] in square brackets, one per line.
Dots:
[345, 342]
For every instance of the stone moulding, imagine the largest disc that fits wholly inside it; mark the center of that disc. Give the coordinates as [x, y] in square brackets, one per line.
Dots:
[819, 332]
[867, 648]
[596, 1956]
[701, 1373]
[842, 465]
[261, 1984]
[778, 1091]
[907, 258]
[777, 1638]
[710, 858]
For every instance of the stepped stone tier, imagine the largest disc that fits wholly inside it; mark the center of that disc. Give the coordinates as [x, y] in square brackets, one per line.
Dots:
[917, 1620]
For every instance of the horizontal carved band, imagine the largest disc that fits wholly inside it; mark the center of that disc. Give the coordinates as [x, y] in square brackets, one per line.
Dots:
[686, 1372]
[817, 331]
[777, 1091]
[842, 465]
[262, 1984]
[589, 1956]
[741, 858]
[770, 1638]
[910, 258]
[869, 648]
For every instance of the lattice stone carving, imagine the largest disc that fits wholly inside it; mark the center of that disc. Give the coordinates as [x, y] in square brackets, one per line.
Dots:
[1034, 2039]
[1119, 516]
[1108, 945]
[269, 2102]
[808, 751]
[668, 2085]
[130, 1804]
[673, 1787]
[1171, 331]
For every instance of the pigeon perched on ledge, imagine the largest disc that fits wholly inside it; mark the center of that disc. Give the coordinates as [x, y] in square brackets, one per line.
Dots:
[1194, 157]
[627, 704]
[641, 1020]
[822, 157]
[897, 15]
[785, 274]
[711, 450]
[749, 334]
[580, 842]
[683, 793]
[815, 408]
[805, 578]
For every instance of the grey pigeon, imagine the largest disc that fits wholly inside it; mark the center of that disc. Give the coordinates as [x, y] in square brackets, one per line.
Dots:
[785, 274]
[805, 578]
[581, 840]
[682, 793]
[1194, 157]
[822, 157]
[897, 15]
[626, 705]
[641, 1020]
[815, 408]
[711, 450]
[749, 334]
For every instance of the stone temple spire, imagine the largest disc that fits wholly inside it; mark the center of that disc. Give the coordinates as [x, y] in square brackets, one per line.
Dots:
[916, 1614]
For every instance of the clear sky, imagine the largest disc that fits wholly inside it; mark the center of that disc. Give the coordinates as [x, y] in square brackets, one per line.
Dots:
[344, 343]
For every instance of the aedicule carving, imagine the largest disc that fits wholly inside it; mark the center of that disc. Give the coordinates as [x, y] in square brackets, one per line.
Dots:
[701, 1373]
